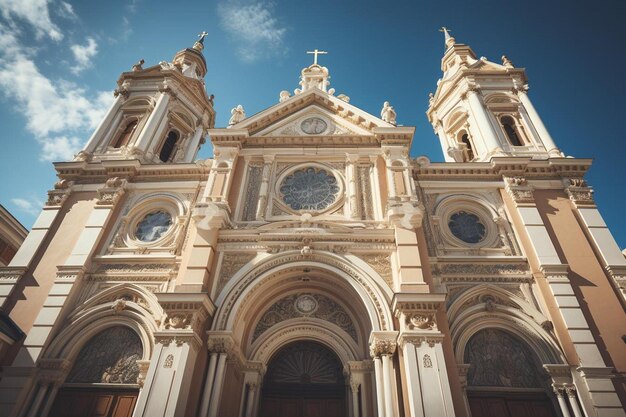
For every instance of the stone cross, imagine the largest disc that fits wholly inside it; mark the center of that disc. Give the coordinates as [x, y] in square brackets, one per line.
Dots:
[315, 54]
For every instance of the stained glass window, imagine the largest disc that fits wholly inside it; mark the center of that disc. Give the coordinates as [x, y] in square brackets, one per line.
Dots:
[467, 227]
[309, 189]
[153, 226]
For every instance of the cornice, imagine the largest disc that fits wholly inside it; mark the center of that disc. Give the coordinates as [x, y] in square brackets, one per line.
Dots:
[94, 172]
[502, 166]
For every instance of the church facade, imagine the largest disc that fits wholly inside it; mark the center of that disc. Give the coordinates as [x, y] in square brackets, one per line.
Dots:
[311, 267]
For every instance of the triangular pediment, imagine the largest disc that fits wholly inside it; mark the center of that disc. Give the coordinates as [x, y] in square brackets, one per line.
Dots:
[313, 120]
[285, 119]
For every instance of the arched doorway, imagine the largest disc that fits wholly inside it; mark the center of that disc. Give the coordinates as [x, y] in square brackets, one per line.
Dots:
[505, 378]
[304, 379]
[103, 380]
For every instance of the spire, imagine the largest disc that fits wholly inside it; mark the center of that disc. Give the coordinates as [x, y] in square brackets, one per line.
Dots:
[190, 61]
[449, 40]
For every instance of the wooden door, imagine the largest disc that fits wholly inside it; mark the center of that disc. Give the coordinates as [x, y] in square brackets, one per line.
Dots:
[511, 405]
[71, 402]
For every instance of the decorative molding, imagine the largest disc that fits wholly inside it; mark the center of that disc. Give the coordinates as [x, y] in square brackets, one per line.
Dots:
[381, 263]
[305, 305]
[112, 191]
[232, 262]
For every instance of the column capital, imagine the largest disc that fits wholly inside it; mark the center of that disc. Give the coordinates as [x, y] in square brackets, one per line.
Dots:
[62, 190]
[383, 343]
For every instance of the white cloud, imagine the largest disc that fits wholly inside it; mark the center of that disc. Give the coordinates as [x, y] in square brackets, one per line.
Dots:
[255, 29]
[83, 55]
[32, 206]
[66, 11]
[59, 112]
[34, 12]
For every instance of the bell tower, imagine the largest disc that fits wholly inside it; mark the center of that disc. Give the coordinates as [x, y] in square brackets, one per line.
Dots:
[160, 113]
[481, 109]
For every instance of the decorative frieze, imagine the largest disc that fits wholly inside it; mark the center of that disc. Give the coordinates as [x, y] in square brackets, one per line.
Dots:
[381, 263]
[231, 264]
[305, 305]
[112, 191]
[519, 190]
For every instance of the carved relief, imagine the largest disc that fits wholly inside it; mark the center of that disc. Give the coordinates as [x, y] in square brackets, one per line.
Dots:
[381, 263]
[305, 305]
[169, 361]
[365, 188]
[252, 193]
[428, 362]
[231, 263]
[110, 357]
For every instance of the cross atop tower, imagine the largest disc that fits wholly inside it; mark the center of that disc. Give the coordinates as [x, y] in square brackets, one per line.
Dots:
[202, 36]
[315, 53]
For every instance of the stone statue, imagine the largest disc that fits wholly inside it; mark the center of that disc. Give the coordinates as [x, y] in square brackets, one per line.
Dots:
[506, 62]
[138, 65]
[284, 95]
[237, 115]
[388, 114]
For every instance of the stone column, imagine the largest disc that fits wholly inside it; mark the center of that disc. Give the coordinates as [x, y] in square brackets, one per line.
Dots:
[488, 134]
[105, 124]
[208, 384]
[354, 389]
[540, 128]
[559, 391]
[382, 348]
[148, 132]
[570, 391]
[250, 400]
[193, 144]
[380, 396]
[264, 189]
[221, 345]
[352, 192]
[167, 383]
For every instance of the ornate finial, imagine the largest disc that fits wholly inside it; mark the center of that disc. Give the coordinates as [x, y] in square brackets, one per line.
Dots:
[315, 54]
[506, 62]
[199, 45]
[449, 40]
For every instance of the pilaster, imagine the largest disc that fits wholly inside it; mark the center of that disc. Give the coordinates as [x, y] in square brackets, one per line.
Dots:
[427, 385]
[177, 343]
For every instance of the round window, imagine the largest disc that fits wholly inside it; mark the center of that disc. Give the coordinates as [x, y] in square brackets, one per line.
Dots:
[153, 226]
[309, 189]
[467, 227]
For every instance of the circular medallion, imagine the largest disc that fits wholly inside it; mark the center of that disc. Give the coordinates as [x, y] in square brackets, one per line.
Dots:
[305, 304]
[309, 189]
[153, 226]
[467, 227]
[313, 126]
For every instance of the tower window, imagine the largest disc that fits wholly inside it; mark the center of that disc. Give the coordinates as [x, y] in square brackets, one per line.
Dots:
[469, 151]
[168, 146]
[508, 124]
[125, 136]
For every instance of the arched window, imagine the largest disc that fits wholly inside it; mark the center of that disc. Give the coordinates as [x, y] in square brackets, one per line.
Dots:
[168, 146]
[508, 124]
[469, 151]
[125, 136]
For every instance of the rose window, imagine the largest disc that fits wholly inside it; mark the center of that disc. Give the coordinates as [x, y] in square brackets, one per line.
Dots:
[467, 227]
[309, 189]
[153, 226]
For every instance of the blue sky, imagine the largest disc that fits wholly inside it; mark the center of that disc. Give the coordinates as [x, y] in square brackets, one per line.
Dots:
[60, 59]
